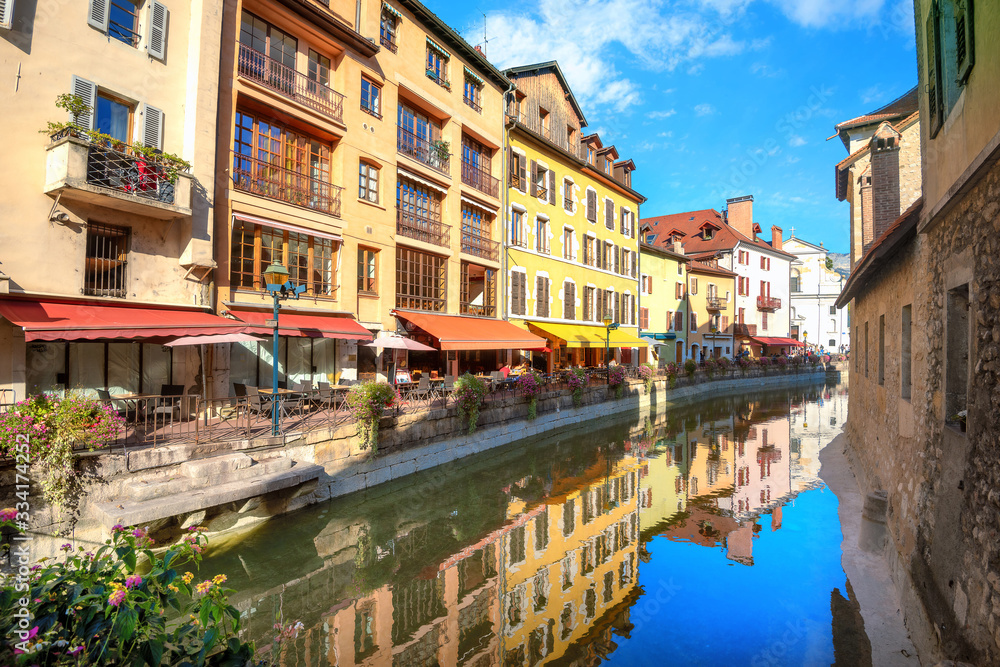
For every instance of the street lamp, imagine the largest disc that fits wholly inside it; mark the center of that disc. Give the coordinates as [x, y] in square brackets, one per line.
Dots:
[609, 326]
[279, 287]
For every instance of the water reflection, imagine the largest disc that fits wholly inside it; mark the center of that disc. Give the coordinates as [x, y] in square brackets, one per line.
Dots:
[535, 554]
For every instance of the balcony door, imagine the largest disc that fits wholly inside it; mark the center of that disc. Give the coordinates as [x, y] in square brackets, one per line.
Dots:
[275, 61]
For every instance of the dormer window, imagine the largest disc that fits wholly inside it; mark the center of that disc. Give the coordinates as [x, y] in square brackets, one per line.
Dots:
[607, 166]
[707, 233]
[590, 154]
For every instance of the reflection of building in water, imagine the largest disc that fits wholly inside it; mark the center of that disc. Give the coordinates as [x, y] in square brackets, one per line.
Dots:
[762, 475]
[553, 582]
[816, 419]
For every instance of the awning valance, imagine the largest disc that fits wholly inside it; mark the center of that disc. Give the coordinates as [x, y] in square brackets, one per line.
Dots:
[575, 335]
[81, 320]
[392, 10]
[789, 342]
[472, 75]
[423, 181]
[304, 325]
[437, 47]
[456, 332]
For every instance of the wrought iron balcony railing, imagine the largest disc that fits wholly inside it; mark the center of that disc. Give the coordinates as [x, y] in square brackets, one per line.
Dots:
[472, 103]
[715, 303]
[419, 228]
[768, 303]
[296, 86]
[480, 247]
[262, 178]
[432, 153]
[123, 169]
[480, 179]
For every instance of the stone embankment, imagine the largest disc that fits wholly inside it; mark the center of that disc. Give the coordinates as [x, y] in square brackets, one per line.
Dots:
[231, 485]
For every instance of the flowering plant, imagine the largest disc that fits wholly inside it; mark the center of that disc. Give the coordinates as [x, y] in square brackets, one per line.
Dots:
[646, 375]
[367, 402]
[53, 426]
[690, 366]
[530, 385]
[469, 394]
[616, 379]
[710, 367]
[764, 362]
[94, 608]
[672, 370]
[744, 363]
[781, 362]
[577, 380]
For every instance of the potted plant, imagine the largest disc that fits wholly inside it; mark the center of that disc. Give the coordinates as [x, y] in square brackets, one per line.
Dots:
[646, 375]
[616, 379]
[368, 402]
[440, 151]
[530, 385]
[469, 394]
[577, 380]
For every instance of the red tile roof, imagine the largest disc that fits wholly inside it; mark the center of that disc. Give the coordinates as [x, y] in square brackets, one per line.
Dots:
[699, 267]
[840, 171]
[690, 224]
[904, 105]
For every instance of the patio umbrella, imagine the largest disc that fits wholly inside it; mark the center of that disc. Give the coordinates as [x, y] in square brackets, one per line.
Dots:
[400, 343]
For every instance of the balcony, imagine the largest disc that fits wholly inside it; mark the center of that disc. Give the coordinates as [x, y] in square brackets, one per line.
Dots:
[388, 42]
[769, 303]
[740, 329]
[419, 228]
[267, 180]
[439, 78]
[434, 154]
[480, 179]
[116, 176]
[273, 75]
[715, 303]
[480, 247]
[472, 103]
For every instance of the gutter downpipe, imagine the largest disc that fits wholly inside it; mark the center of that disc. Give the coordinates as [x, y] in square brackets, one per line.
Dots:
[505, 201]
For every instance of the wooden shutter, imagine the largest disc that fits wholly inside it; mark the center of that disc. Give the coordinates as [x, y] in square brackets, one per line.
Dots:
[6, 13]
[678, 321]
[545, 285]
[156, 40]
[609, 214]
[694, 286]
[152, 128]
[591, 206]
[97, 14]
[552, 187]
[86, 91]
[517, 293]
[933, 55]
[522, 170]
[631, 223]
[965, 55]
[617, 255]
[532, 174]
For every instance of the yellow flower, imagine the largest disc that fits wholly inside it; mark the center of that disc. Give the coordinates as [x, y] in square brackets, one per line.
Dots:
[203, 586]
[173, 588]
[188, 576]
[219, 579]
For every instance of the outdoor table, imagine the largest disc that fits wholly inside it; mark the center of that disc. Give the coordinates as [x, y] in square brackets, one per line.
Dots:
[276, 396]
[131, 402]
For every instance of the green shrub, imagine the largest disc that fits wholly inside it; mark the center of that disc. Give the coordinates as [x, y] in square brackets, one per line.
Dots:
[367, 402]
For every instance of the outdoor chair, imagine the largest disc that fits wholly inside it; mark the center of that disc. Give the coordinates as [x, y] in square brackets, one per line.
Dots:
[239, 390]
[170, 402]
[127, 413]
[423, 392]
[255, 403]
[448, 388]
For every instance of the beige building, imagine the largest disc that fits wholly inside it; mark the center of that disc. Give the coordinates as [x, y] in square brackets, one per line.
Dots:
[106, 245]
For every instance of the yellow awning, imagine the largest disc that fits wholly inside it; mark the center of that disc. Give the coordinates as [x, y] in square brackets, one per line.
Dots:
[585, 336]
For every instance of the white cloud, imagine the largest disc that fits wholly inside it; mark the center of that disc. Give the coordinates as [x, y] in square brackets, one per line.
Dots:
[872, 94]
[704, 110]
[660, 115]
[826, 14]
[796, 141]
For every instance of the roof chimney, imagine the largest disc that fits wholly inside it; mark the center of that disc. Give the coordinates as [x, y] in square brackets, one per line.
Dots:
[739, 214]
[776, 237]
[678, 248]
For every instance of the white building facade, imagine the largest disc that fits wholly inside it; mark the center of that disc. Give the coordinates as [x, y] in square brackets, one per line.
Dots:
[814, 316]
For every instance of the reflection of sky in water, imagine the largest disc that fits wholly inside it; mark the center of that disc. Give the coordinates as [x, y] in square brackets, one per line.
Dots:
[528, 554]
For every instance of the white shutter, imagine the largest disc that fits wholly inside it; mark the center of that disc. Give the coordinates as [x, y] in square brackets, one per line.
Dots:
[6, 13]
[152, 128]
[97, 14]
[86, 91]
[156, 40]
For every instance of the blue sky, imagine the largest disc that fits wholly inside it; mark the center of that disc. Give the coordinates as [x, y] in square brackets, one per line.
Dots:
[716, 98]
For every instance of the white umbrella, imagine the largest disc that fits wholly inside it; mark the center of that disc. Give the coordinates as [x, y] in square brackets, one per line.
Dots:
[400, 343]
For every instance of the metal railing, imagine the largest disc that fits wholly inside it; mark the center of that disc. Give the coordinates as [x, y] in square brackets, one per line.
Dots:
[715, 303]
[419, 228]
[294, 85]
[745, 329]
[568, 204]
[472, 103]
[388, 42]
[262, 178]
[121, 168]
[478, 309]
[480, 179]
[438, 78]
[768, 303]
[433, 154]
[480, 246]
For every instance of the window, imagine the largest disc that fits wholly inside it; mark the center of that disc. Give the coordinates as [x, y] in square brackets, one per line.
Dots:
[518, 169]
[367, 270]
[950, 54]
[906, 352]
[741, 315]
[568, 195]
[517, 235]
[591, 205]
[542, 181]
[472, 94]
[418, 212]
[833, 310]
[765, 263]
[708, 233]
[318, 73]
[541, 296]
[437, 64]
[569, 252]
[113, 116]
[368, 182]
[569, 301]
[881, 350]
[763, 321]
[123, 21]
[421, 280]
[609, 214]
[678, 290]
[794, 284]
[542, 236]
[478, 293]
[679, 321]
[477, 233]
[371, 97]
[956, 351]
[310, 260]
[832, 344]
[694, 285]
[261, 37]
[387, 28]
[588, 304]
[543, 118]
[518, 296]
[105, 271]
[417, 137]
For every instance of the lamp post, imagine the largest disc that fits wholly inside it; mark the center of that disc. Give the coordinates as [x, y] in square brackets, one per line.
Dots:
[609, 326]
[279, 287]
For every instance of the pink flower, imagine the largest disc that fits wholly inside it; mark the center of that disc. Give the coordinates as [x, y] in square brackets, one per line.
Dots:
[8, 514]
[133, 581]
[117, 597]
[76, 650]
[117, 528]
[138, 532]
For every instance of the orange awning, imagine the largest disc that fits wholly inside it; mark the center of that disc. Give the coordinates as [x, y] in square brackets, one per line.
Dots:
[302, 325]
[457, 332]
[87, 320]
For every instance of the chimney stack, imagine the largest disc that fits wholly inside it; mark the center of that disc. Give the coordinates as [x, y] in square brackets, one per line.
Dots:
[776, 237]
[885, 178]
[739, 214]
[678, 248]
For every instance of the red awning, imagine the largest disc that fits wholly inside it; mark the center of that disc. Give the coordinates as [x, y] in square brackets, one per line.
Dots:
[302, 325]
[81, 320]
[788, 342]
[455, 332]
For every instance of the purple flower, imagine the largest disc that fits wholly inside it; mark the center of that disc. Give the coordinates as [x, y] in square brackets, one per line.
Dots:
[117, 597]
[133, 581]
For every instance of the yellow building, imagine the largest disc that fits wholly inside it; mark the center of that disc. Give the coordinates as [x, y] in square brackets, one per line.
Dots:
[710, 311]
[571, 250]
[662, 306]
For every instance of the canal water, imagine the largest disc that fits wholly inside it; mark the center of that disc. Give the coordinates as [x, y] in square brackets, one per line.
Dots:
[704, 537]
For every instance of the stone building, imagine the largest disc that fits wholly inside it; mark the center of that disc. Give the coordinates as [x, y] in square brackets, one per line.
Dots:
[924, 407]
[663, 311]
[813, 313]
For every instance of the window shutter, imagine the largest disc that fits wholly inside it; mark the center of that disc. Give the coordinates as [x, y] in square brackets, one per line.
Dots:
[6, 13]
[152, 128]
[552, 187]
[523, 172]
[545, 285]
[156, 40]
[86, 91]
[609, 214]
[97, 14]
[591, 205]
[533, 185]
[631, 223]
[621, 220]
[965, 55]
[933, 54]
[678, 321]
